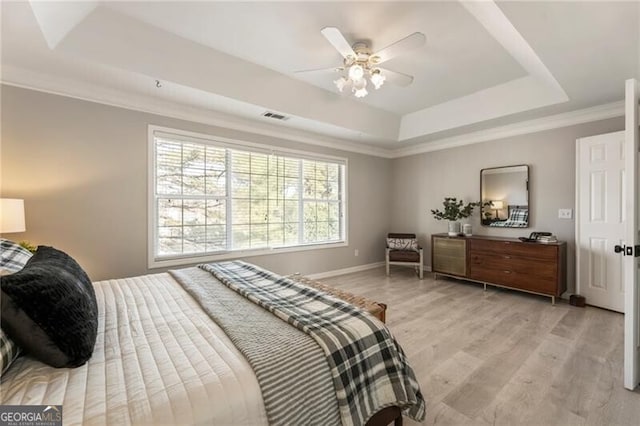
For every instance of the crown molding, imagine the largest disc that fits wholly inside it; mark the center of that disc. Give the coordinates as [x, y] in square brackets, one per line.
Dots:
[566, 119]
[27, 79]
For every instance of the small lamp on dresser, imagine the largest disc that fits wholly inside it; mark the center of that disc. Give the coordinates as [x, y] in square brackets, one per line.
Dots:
[11, 215]
[497, 205]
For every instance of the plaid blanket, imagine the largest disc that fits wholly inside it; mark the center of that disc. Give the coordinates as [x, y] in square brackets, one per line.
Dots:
[9, 352]
[13, 257]
[291, 368]
[369, 369]
[518, 218]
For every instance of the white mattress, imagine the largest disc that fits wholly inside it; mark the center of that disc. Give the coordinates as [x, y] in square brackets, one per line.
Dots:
[159, 359]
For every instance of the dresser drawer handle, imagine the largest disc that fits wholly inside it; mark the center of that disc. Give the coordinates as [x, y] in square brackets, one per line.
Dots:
[507, 257]
[507, 272]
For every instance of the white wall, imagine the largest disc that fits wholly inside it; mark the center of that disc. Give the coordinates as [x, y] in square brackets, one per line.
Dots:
[82, 169]
[420, 182]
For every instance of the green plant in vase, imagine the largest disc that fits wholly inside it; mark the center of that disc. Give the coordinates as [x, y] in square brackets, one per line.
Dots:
[454, 210]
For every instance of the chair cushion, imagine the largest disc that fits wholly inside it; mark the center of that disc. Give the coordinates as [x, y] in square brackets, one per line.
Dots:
[404, 256]
[402, 244]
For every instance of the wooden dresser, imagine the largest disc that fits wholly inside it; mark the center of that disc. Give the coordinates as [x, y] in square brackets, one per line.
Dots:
[504, 262]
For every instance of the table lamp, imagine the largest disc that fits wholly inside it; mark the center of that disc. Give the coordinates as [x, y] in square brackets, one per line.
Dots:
[497, 205]
[11, 215]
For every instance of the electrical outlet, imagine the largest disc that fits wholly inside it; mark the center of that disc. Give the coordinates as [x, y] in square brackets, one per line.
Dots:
[565, 213]
[356, 252]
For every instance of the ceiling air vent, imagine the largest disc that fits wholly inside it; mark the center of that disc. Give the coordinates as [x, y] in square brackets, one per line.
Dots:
[275, 115]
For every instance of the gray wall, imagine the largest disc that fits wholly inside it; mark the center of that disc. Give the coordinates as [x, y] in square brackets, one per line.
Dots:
[420, 182]
[82, 169]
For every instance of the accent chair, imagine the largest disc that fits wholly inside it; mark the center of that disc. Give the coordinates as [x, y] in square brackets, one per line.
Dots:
[403, 249]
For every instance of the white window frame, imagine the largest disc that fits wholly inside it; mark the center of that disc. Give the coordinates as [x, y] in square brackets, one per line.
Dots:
[152, 217]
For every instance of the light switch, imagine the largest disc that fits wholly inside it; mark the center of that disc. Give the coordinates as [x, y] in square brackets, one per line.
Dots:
[565, 213]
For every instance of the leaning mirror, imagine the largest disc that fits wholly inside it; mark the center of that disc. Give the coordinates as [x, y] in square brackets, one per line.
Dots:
[504, 192]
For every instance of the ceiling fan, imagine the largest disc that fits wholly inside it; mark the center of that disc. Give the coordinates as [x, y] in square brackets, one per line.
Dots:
[360, 65]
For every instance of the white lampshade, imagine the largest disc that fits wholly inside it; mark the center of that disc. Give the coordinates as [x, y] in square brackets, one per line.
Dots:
[11, 215]
[497, 204]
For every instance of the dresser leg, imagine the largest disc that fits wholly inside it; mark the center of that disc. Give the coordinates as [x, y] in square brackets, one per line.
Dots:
[485, 286]
[553, 300]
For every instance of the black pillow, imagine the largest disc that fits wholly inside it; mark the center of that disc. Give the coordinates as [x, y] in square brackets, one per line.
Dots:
[49, 308]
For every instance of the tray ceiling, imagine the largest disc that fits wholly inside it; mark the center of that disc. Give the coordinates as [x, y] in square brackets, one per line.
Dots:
[483, 63]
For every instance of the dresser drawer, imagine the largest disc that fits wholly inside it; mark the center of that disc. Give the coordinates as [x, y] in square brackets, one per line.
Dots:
[538, 268]
[513, 279]
[528, 250]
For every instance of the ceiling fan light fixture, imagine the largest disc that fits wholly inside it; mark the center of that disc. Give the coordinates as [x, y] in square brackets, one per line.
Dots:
[356, 72]
[360, 88]
[360, 93]
[377, 78]
[361, 66]
[341, 83]
[360, 84]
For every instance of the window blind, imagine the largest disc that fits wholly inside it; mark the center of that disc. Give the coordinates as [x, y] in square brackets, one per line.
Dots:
[215, 197]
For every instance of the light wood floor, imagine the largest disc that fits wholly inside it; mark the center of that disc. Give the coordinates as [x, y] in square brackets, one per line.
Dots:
[503, 357]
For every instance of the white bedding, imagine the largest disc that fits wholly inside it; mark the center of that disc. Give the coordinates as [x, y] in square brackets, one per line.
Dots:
[159, 359]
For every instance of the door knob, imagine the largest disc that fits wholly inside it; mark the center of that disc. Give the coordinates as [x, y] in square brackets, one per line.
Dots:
[627, 250]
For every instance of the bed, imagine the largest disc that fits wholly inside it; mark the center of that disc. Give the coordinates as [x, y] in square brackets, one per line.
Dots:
[518, 218]
[159, 358]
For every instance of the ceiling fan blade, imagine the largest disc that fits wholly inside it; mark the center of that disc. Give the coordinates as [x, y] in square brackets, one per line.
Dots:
[397, 78]
[337, 40]
[319, 70]
[411, 42]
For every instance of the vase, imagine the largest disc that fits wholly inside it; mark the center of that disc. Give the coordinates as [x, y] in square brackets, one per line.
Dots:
[466, 230]
[454, 229]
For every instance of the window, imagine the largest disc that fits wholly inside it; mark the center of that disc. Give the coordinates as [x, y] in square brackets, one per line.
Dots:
[210, 197]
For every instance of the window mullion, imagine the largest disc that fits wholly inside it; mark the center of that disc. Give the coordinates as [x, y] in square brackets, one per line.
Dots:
[182, 195]
[300, 205]
[268, 199]
[229, 193]
[156, 225]
[341, 222]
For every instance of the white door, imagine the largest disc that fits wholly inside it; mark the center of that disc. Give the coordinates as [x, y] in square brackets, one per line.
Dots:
[630, 261]
[600, 219]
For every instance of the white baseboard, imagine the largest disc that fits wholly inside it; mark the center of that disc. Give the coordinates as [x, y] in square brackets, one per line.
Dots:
[353, 269]
[344, 271]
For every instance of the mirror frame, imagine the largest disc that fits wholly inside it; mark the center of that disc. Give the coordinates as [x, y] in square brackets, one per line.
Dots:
[482, 220]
